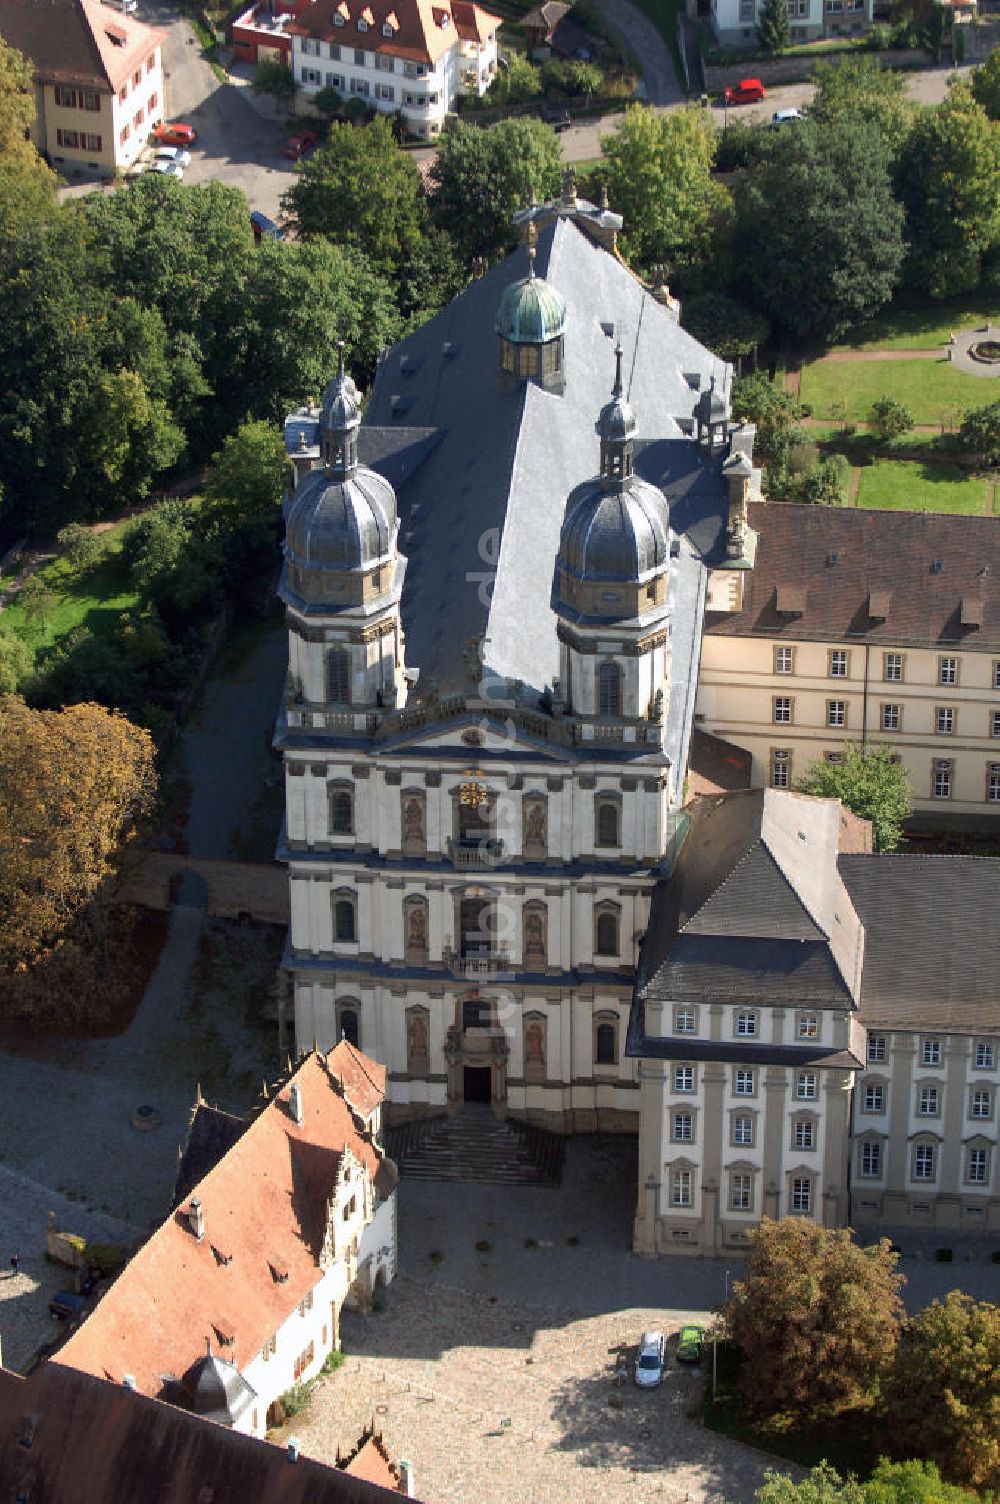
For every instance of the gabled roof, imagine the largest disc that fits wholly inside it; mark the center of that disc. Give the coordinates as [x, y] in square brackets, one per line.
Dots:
[930, 941]
[78, 41]
[69, 1438]
[211, 1135]
[833, 574]
[363, 1079]
[420, 31]
[265, 1211]
[371, 1461]
[757, 907]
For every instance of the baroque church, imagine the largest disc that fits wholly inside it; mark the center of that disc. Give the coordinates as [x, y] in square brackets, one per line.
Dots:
[495, 588]
[498, 586]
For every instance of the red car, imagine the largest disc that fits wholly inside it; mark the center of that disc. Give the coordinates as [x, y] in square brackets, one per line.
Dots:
[747, 91]
[174, 135]
[297, 146]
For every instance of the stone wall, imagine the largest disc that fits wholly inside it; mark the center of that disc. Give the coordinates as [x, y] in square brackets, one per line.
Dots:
[790, 70]
[259, 889]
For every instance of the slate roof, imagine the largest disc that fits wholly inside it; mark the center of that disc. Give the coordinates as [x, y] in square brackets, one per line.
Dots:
[422, 30]
[69, 1438]
[931, 941]
[489, 498]
[211, 1135]
[891, 578]
[78, 41]
[265, 1207]
[756, 909]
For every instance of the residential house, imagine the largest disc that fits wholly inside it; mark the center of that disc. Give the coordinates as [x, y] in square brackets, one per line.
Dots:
[734, 22]
[99, 80]
[494, 621]
[260, 34]
[411, 57]
[237, 1296]
[865, 626]
[68, 1437]
[818, 1029]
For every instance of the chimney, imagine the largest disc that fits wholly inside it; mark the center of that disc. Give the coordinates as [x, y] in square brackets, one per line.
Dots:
[128, 1381]
[293, 1449]
[295, 1102]
[406, 1478]
[196, 1218]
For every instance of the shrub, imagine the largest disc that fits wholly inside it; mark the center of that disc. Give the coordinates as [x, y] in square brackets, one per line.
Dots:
[81, 545]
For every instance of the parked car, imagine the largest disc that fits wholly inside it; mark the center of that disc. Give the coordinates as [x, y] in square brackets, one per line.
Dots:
[168, 168]
[690, 1344]
[560, 120]
[261, 226]
[786, 117]
[297, 146]
[649, 1364]
[174, 135]
[747, 91]
[173, 154]
[66, 1305]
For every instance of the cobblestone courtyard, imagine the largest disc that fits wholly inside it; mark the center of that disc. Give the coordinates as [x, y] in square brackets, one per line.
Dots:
[506, 1403]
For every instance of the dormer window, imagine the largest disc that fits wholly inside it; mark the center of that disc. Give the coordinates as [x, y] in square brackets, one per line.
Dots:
[362, 24]
[338, 16]
[386, 29]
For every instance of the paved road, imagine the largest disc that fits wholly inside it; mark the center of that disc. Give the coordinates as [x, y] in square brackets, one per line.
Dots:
[648, 48]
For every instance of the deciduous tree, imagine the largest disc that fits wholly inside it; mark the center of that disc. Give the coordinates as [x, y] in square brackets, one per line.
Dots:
[774, 411]
[247, 476]
[658, 170]
[17, 110]
[943, 1398]
[773, 30]
[275, 78]
[979, 432]
[890, 1483]
[859, 89]
[871, 783]
[826, 232]
[729, 328]
[480, 177]
[889, 419]
[74, 785]
[948, 180]
[815, 1319]
[985, 84]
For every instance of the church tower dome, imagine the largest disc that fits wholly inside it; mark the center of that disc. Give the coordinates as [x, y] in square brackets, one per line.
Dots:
[531, 327]
[343, 520]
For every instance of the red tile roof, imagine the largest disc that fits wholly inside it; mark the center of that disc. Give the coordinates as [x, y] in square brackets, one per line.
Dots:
[371, 1461]
[420, 31]
[364, 1080]
[69, 1438]
[265, 1207]
[78, 41]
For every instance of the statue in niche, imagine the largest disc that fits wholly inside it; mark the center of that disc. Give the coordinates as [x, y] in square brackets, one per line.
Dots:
[417, 1039]
[534, 934]
[535, 832]
[413, 820]
[534, 1047]
[416, 928]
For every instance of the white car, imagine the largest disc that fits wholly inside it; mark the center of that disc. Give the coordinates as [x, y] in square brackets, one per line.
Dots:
[649, 1364]
[786, 117]
[172, 169]
[173, 154]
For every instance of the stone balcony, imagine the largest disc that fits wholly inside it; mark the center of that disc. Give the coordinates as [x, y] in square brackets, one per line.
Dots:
[476, 855]
[476, 962]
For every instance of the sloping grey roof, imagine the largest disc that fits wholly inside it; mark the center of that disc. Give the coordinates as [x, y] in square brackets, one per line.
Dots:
[488, 500]
[756, 908]
[931, 945]
[211, 1135]
[216, 1390]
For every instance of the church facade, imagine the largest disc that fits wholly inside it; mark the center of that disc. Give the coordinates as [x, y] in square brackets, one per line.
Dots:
[494, 618]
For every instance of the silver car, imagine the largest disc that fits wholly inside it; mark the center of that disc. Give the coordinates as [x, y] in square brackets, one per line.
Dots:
[173, 154]
[649, 1364]
[172, 169]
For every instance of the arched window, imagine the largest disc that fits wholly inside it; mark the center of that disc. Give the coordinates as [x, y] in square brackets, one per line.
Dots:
[344, 920]
[349, 1026]
[606, 1044]
[607, 933]
[608, 833]
[609, 689]
[338, 677]
[341, 812]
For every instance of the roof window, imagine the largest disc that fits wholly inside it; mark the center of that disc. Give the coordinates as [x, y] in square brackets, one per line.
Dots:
[937, 566]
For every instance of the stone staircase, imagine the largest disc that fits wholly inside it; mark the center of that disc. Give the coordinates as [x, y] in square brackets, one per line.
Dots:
[473, 1145]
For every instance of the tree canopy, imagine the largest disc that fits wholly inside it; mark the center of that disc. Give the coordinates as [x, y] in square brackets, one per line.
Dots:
[859, 89]
[774, 33]
[17, 111]
[943, 1398]
[911, 1482]
[658, 170]
[724, 325]
[871, 784]
[948, 180]
[985, 84]
[980, 432]
[826, 189]
[74, 785]
[815, 1319]
[480, 177]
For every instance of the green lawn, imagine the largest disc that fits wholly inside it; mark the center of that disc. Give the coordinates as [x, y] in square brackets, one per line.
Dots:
[925, 328]
[932, 390]
[94, 598]
[916, 486]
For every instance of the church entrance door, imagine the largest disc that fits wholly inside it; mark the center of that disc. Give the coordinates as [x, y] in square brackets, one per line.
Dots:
[477, 1083]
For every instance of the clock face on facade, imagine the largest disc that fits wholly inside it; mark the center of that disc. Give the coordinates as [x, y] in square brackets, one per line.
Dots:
[474, 793]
